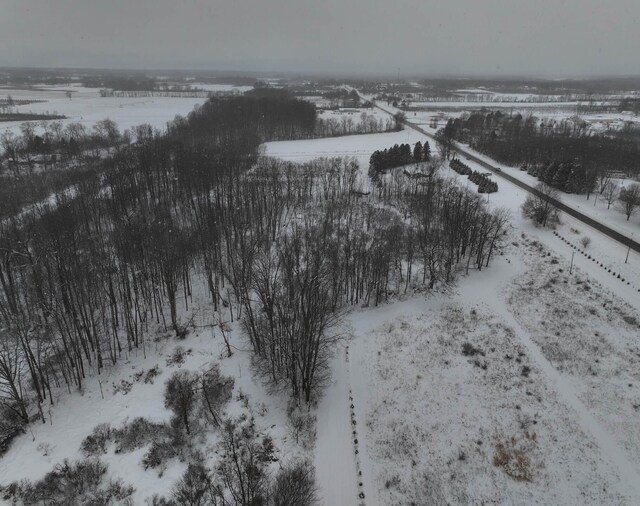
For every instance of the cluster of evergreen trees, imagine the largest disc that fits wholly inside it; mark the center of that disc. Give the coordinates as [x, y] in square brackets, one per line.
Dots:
[460, 167]
[569, 177]
[485, 184]
[515, 140]
[397, 156]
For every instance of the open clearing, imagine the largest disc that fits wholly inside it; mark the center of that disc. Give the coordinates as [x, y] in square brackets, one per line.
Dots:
[87, 107]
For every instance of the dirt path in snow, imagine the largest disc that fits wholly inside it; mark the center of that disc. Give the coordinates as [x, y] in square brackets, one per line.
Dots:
[344, 477]
[335, 464]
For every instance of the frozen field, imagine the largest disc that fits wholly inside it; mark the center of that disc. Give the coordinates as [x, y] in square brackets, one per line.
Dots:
[359, 146]
[87, 107]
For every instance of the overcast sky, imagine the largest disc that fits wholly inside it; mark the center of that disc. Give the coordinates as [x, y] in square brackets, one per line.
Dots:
[554, 38]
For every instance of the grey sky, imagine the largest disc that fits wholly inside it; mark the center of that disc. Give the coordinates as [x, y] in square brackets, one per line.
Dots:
[533, 37]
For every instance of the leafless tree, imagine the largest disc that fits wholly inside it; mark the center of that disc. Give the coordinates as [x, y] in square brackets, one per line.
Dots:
[539, 207]
[629, 200]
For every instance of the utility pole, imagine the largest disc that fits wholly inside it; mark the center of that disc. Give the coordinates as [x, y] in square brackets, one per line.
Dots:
[628, 250]
[571, 267]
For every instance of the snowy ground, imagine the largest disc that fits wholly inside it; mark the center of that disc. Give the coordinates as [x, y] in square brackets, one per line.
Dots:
[86, 106]
[358, 146]
[75, 415]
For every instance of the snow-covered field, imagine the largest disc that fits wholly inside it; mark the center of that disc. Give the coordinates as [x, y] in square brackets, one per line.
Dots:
[87, 107]
[359, 146]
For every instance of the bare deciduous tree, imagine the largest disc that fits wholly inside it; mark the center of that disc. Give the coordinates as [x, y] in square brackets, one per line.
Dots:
[629, 200]
[539, 208]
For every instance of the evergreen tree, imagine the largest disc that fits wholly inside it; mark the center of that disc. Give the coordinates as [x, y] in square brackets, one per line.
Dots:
[417, 152]
[562, 176]
[426, 151]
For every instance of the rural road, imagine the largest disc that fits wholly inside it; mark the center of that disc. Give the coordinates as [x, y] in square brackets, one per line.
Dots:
[613, 234]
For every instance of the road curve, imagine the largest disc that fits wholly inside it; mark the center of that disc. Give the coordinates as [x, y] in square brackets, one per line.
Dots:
[608, 231]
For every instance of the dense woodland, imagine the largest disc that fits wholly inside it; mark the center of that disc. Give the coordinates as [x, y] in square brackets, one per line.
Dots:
[42, 161]
[89, 276]
[518, 140]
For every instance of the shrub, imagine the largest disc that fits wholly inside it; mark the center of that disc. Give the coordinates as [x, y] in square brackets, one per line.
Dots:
[151, 374]
[195, 488]
[513, 460]
[295, 486]
[215, 391]
[468, 350]
[161, 450]
[178, 356]
[96, 442]
[302, 424]
[11, 426]
[137, 434]
[79, 483]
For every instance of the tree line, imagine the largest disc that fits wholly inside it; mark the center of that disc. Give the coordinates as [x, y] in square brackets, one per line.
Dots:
[516, 140]
[396, 156]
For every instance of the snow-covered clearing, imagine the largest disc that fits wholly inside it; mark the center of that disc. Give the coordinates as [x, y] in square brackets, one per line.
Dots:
[436, 419]
[359, 146]
[87, 107]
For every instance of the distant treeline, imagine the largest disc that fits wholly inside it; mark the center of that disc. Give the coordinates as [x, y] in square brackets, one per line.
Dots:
[177, 93]
[518, 140]
[4, 117]
[366, 124]
[121, 83]
[630, 104]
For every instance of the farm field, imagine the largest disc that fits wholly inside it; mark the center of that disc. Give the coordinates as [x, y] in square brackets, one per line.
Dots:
[87, 107]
